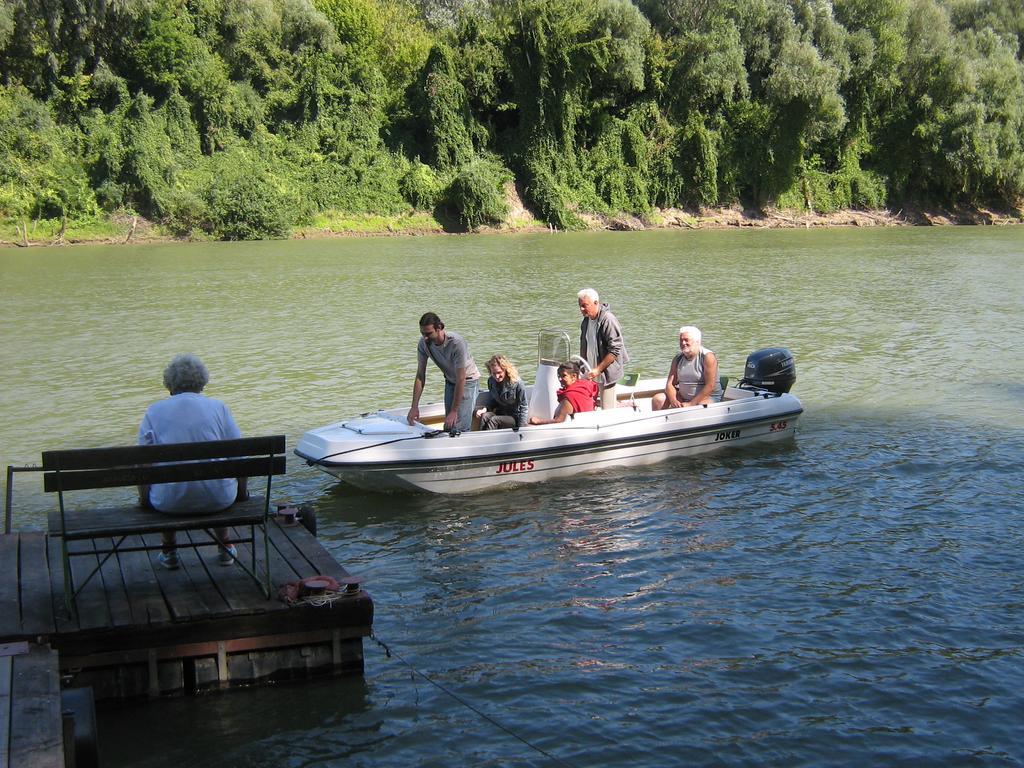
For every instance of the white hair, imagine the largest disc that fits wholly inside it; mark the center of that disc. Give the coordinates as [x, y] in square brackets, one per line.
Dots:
[692, 331]
[588, 293]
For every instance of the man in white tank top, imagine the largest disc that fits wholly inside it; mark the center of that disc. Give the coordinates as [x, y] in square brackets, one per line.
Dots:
[693, 375]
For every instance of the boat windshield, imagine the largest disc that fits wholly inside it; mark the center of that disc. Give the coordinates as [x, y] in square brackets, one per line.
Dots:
[552, 347]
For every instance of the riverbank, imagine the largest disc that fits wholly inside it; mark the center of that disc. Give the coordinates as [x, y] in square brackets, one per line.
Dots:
[124, 228]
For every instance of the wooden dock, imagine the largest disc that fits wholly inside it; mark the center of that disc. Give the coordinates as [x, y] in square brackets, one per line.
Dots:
[31, 726]
[144, 631]
[206, 625]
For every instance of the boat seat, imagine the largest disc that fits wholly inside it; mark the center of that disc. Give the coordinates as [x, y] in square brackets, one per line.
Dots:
[630, 379]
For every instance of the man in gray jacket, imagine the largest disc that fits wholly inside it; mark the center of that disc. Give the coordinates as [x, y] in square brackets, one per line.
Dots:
[601, 345]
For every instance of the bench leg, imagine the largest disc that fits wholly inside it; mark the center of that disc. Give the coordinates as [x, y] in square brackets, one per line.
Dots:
[266, 559]
[69, 598]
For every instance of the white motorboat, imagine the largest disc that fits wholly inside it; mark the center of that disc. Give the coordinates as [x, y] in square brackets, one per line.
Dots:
[380, 451]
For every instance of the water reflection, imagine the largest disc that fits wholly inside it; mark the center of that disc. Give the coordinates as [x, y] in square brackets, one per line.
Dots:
[286, 724]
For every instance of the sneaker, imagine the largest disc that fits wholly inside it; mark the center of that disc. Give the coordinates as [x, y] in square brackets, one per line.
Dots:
[227, 555]
[169, 560]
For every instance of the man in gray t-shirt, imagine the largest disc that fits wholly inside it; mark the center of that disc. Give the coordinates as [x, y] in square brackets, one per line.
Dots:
[450, 353]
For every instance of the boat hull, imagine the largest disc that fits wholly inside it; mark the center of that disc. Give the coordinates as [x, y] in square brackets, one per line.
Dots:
[380, 453]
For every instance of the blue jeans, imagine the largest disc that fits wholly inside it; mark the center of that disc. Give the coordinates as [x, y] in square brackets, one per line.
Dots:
[464, 421]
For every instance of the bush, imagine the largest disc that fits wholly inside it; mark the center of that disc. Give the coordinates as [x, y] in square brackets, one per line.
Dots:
[477, 193]
[421, 186]
[619, 165]
[548, 196]
[185, 212]
[247, 206]
[40, 173]
[820, 191]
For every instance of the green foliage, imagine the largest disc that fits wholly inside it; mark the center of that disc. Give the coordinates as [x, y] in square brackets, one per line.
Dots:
[421, 186]
[706, 69]
[247, 201]
[185, 212]
[619, 163]
[237, 118]
[747, 157]
[385, 36]
[697, 162]
[142, 157]
[40, 172]
[369, 182]
[551, 198]
[571, 62]
[664, 182]
[6, 23]
[986, 148]
[820, 191]
[445, 112]
[476, 193]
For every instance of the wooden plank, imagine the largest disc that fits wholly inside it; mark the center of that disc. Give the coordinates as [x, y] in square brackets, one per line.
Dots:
[238, 590]
[99, 458]
[352, 615]
[309, 549]
[10, 603]
[163, 473]
[144, 597]
[14, 649]
[285, 563]
[200, 564]
[34, 571]
[299, 565]
[37, 737]
[209, 648]
[175, 586]
[6, 667]
[65, 622]
[283, 569]
[114, 586]
[95, 523]
[91, 602]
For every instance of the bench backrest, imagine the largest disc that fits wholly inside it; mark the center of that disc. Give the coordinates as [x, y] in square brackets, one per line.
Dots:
[170, 463]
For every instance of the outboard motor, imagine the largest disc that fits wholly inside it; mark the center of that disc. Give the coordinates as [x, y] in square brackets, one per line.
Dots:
[771, 369]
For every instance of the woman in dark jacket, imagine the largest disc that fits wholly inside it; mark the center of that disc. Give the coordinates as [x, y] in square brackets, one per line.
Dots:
[506, 404]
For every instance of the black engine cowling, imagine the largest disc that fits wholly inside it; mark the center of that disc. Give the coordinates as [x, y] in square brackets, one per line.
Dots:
[771, 369]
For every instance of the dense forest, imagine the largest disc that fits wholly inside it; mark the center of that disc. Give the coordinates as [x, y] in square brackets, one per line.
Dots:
[243, 118]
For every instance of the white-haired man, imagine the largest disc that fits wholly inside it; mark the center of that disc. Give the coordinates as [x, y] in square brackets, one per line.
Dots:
[601, 345]
[693, 375]
[188, 416]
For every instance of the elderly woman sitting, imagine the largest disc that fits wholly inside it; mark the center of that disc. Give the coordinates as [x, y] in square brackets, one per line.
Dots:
[692, 376]
[576, 395]
[188, 416]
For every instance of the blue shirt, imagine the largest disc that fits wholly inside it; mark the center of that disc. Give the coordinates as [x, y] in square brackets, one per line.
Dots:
[189, 417]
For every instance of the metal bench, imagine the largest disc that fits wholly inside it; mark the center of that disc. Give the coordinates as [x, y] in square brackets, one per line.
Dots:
[93, 468]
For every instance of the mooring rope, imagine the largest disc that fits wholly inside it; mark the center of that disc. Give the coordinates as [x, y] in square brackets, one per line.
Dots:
[389, 653]
[322, 459]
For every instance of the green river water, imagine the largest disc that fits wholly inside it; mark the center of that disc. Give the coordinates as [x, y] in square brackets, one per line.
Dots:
[851, 598]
